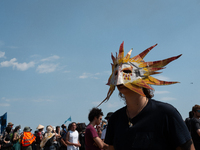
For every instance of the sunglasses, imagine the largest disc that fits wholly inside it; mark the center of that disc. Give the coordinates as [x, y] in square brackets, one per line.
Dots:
[198, 111]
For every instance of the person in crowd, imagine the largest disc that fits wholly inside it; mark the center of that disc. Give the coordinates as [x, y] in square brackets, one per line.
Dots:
[72, 138]
[39, 136]
[64, 129]
[58, 137]
[16, 137]
[27, 138]
[92, 139]
[103, 125]
[188, 120]
[9, 125]
[47, 142]
[81, 130]
[63, 137]
[195, 126]
[103, 135]
[143, 123]
[7, 139]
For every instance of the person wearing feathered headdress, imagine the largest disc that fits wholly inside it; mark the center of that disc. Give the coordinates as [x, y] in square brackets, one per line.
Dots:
[143, 123]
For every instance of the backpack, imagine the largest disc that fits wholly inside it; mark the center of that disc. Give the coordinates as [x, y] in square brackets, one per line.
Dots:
[49, 142]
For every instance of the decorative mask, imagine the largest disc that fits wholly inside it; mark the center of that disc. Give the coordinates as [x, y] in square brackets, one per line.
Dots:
[134, 73]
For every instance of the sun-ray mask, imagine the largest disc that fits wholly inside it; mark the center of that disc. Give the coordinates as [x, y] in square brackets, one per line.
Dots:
[134, 73]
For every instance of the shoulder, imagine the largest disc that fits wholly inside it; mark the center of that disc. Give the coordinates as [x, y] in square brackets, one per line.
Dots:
[163, 107]
[195, 120]
[89, 128]
[118, 113]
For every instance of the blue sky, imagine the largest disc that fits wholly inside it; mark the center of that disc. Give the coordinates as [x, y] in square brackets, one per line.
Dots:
[55, 55]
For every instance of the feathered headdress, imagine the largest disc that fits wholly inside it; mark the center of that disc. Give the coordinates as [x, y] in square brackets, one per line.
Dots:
[138, 75]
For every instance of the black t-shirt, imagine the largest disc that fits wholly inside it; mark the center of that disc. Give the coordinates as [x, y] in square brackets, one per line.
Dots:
[159, 126]
[195, 125]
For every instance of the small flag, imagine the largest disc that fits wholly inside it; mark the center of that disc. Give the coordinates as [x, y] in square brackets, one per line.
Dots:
[3, 122]
[69, 119]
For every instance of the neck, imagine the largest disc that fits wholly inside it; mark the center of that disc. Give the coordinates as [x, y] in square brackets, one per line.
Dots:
[135, 103]
[93, 123]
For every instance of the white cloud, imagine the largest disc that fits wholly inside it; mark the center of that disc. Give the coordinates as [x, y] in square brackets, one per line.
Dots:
[24, 66]
[160, 77]
[43, 100]
[107, 104]
[4, 104]
[161, 92]
[167, 99]
[2, 54]
[8, 63]
[89, 75]
[20, 66]
[54, 57]
[46, 68]
[84, 75]
[113, 105]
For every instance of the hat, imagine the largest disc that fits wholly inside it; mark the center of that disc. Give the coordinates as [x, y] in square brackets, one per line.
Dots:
[10, 124]
[40, 127]
[134, 73]
[26, 129]
[109, 115]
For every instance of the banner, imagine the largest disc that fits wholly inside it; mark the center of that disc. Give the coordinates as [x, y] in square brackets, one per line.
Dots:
[69, 119]
[3, 122]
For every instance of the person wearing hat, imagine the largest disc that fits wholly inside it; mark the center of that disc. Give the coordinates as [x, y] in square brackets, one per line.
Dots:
[144, 123]
[10, 124]
[103, 135]
[27, 138]
[39, 136]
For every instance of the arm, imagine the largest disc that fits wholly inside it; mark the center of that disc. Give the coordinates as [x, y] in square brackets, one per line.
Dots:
[187, 146]
[63, 142]
[198, 132]
[100, 143]
[15, 137]
[111, 147]
[70, 143]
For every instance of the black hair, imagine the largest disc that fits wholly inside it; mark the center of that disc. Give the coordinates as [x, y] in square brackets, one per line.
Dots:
[95, 112]
[148, 93]
[16, 128]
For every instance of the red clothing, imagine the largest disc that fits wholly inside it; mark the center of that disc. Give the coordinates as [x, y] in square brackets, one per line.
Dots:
[39, 137]
[90, 133]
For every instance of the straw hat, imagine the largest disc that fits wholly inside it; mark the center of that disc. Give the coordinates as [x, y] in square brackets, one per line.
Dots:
[40, 127]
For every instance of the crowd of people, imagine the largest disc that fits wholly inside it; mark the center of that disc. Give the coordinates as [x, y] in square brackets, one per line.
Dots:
[77, 136]
[51, 137]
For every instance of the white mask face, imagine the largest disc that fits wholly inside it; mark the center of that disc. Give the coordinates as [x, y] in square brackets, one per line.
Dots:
[127, 72]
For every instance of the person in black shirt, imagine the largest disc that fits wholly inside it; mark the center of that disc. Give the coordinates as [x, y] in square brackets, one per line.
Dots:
[195, 126]
[144, 123]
